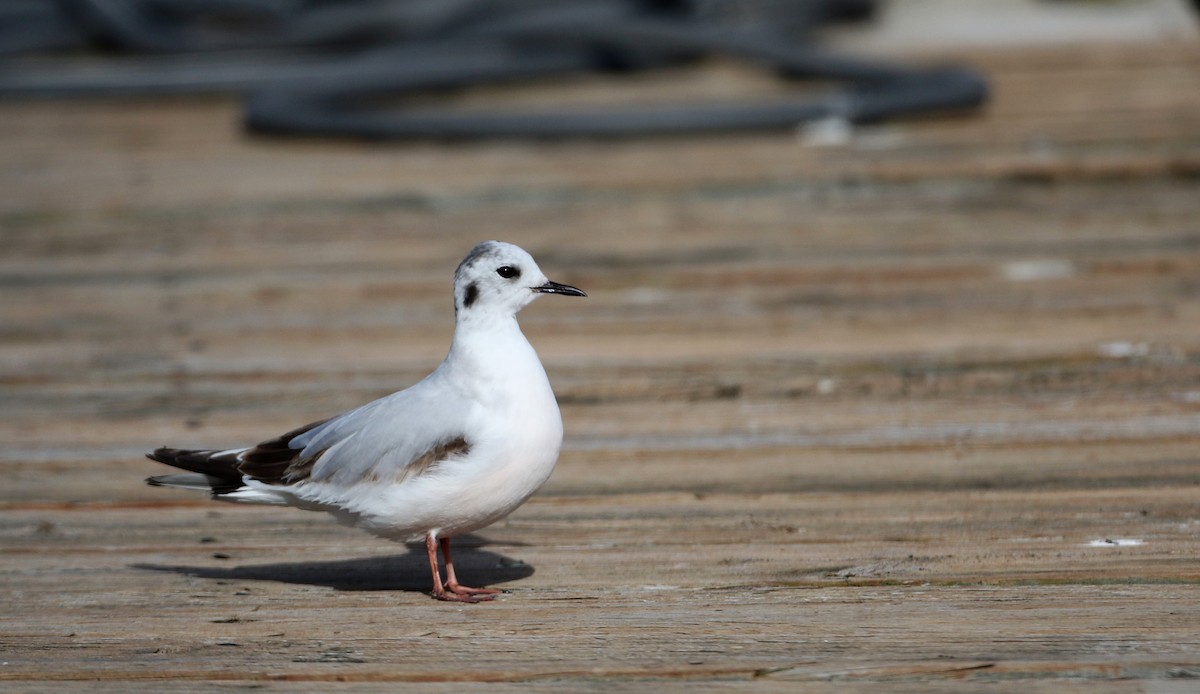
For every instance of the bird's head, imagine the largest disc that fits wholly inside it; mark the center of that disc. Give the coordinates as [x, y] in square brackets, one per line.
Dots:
[501, 277]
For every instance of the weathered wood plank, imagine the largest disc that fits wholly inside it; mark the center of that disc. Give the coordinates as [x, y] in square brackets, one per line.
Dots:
[837, 418]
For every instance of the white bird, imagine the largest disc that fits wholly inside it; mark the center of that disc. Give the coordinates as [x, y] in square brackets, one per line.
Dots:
[457, 451]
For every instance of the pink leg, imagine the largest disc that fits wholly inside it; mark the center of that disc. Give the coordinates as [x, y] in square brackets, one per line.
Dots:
[450, 591]
[457, 588]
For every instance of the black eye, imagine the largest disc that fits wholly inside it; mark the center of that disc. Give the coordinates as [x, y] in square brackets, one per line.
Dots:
[508, 272]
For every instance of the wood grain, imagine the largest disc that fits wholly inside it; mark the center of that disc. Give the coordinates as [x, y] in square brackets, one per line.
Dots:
[921, 411]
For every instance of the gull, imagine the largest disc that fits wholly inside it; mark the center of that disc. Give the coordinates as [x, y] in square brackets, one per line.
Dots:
[457, 451]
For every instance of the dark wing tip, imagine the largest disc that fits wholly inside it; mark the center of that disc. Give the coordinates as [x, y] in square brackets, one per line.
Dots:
[273, 462]
[164, 455]
[215, 464]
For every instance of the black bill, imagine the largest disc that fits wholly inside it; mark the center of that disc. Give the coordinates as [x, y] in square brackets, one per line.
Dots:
[556, 288]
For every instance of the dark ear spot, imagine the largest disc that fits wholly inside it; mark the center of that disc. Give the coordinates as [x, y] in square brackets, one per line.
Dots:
[471, 295]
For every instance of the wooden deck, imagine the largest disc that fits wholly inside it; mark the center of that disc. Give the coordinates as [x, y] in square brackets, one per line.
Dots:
[921, 411]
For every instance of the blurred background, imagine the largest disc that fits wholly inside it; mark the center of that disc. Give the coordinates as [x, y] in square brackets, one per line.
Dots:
[929, 267]
[805, 225]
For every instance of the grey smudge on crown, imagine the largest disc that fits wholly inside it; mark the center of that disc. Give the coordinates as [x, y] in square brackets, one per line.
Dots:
[481, 250]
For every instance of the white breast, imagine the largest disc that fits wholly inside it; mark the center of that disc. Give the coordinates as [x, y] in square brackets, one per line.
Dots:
[515, 433]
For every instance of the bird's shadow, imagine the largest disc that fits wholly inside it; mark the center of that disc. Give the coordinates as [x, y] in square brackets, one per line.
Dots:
[408, 572]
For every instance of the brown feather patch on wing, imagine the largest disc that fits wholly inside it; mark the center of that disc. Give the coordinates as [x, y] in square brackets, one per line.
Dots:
[275, 462]
[430, 458]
